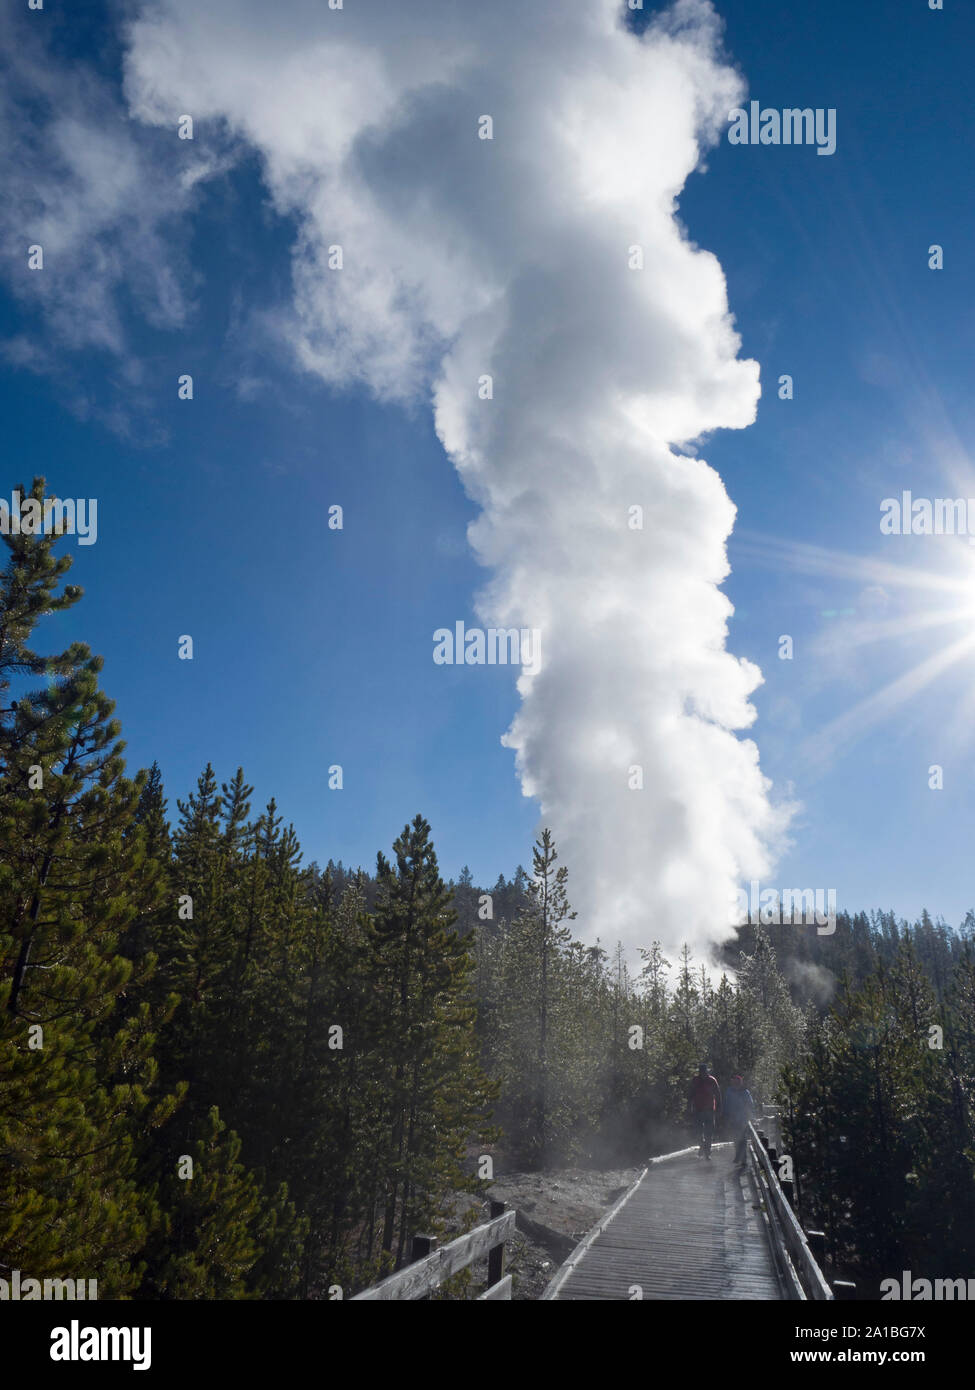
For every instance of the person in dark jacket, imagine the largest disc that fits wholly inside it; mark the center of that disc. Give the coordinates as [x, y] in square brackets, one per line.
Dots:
[704, 1097]
[739, 1109]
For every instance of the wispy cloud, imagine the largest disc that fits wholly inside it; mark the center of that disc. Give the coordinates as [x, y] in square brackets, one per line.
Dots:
[104, 198]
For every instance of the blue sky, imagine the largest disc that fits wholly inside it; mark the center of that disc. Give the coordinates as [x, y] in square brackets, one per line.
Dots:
[313, 647]
[827, 267]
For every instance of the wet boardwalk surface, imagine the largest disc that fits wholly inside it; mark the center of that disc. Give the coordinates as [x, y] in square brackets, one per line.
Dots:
[690, 1229]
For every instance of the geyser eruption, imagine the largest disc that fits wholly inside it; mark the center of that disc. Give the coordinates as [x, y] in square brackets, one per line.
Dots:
[530, 270]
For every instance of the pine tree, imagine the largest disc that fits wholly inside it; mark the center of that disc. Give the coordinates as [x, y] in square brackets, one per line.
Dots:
[151, 816]
[75, 1092]
[216, 1221]
[771, 1028]
[874, 1130]
[548, 908]
[437, 1096]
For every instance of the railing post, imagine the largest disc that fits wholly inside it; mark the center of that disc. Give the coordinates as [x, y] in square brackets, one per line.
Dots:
[422, 1274]
[420, 1246]
[496, 1253]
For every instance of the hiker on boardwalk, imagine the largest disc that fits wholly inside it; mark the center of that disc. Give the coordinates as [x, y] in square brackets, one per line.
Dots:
[705, 1102]
[739, 1109]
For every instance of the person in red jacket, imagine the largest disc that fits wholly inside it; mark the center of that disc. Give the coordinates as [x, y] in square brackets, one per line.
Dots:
[705, 1102]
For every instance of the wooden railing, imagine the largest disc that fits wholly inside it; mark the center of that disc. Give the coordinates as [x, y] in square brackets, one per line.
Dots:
[792, 1247]
[431, 1264]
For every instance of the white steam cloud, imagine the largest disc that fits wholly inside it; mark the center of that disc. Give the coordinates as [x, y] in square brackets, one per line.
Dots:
[511, 257]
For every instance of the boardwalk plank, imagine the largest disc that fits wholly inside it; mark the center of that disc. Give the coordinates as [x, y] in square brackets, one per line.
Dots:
[689, 1229]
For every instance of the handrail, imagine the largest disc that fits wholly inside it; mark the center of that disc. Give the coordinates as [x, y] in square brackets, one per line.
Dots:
[785, 1231]
[418, 1278]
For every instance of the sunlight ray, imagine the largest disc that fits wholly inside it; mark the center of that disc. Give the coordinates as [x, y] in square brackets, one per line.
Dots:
[815, 559]
[819, 748]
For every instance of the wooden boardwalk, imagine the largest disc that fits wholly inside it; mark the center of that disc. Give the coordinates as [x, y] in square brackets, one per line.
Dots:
[687, 1229]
